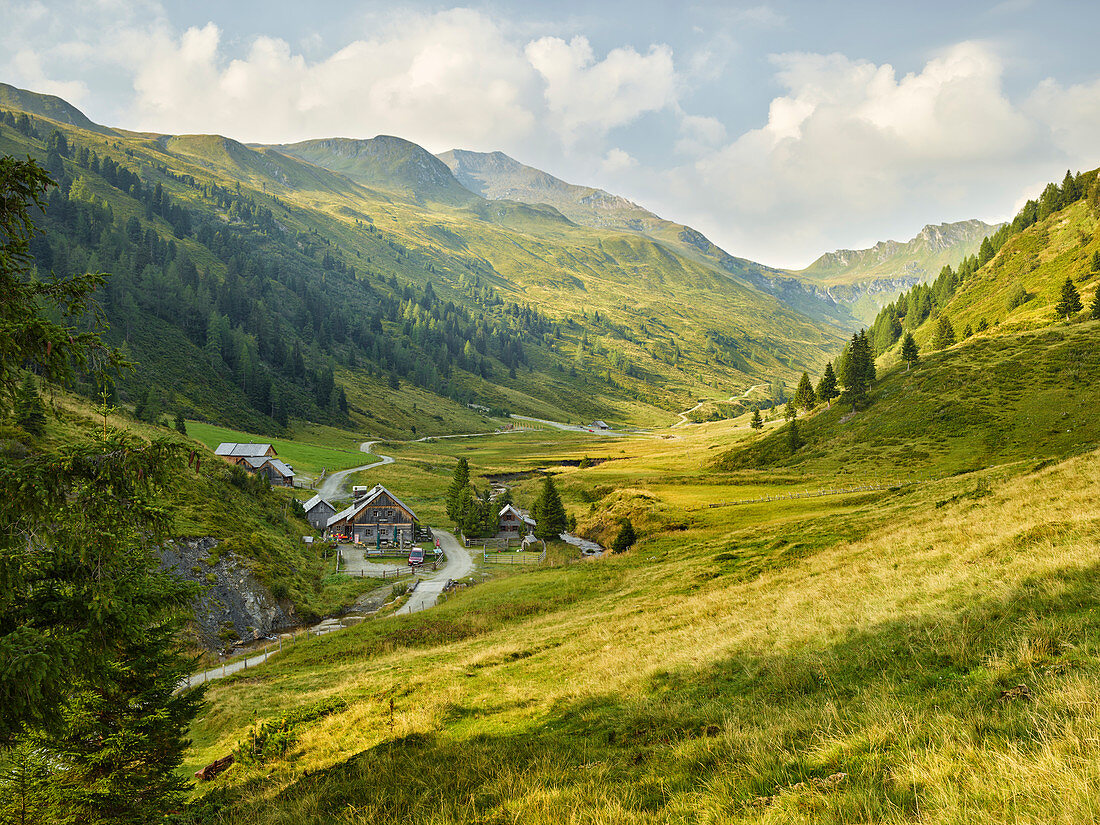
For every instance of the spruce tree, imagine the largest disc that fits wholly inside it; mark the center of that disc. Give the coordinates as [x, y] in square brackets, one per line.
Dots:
[549, 512]
[180, 424]
[944, 336]
[625, 538]
[1071, 300]
[826, 387]
[28, 410]
[115, 758]
[789, 411]
[794, 438]
[459, 481]
[1095, 261]
[1096, 303]
[910, 354]
[804, 395]
[757, 423]
[859, 369]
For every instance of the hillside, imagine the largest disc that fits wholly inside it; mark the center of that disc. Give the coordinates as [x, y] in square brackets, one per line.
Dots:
[497, 176]
[867, 279]
[315, 290]
[818, 660]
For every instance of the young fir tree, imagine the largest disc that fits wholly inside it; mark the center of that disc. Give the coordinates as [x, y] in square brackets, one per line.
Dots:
[826, 387]
[910, 354]
[28, 411]
[859, 370]
[455, 500]
[794, 438]
[549, 512]
[115, 758]
[1096, 301]
[180, 424]
[757, 423]
[804, 395]
[1096, 261]
[944, 336]
[625, 538]
[1070, 302]
[789, 411]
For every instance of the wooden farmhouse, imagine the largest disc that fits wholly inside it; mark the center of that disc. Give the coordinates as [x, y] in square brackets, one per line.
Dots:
[377, 516]
[318, 512]
[513, 523]
[236, 453]
[258, 458]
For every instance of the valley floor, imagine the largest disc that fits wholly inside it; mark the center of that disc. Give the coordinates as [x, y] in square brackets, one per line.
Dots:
[924, 653]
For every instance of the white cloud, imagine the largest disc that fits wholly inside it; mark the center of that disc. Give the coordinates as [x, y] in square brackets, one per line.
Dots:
[589, 96]
[850, 143]
[617, 160]
[1072, 115]
[448, 79]
[28, 67]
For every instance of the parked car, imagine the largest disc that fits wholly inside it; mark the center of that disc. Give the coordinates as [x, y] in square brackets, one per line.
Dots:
[416, 557]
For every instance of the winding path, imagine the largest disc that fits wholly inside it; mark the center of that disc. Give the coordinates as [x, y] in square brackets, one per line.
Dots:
[330, 487]
[684, 415]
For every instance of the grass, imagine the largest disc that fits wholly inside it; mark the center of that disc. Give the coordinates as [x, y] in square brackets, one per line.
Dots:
[332, 451]
[721, 674]
[835, 659]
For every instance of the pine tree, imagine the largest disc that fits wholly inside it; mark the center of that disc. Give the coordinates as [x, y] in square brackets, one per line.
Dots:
[1096, 261]
[1071, 300]
[757, 423]
[910, 354]
[804, 395]
[180, 424]
[116, 756]
[859, 369]
[794, 439]
[1096, 303]
[789, 411]
[550, 518]
[459, 482]
[625, 539]
[826, 387]
[944, 336]
[28, 410]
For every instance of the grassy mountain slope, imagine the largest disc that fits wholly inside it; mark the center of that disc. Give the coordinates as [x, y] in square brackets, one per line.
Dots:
[529, 282]
[384, 162]
[992, 399]
[48, 106]
[497, 176]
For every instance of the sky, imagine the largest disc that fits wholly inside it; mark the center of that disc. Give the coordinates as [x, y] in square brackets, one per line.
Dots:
[781, 130]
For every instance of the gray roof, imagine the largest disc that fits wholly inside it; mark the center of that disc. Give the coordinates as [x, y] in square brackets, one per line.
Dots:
[256, 462]
[520, 514]
[313, 502]
[232, 448]
[365, 502]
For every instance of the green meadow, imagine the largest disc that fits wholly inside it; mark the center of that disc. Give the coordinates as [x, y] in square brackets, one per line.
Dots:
[332, 450]
[921, 653]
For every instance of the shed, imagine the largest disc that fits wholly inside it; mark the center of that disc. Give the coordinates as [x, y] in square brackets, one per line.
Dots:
[318, 512]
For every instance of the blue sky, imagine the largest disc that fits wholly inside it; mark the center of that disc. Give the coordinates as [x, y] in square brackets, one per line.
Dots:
[781, 130]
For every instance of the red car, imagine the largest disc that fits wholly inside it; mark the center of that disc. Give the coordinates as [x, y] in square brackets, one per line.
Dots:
[416, 557]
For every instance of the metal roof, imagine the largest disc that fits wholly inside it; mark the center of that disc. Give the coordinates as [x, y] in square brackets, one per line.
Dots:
[520, 514]
[232, 448]
[313, 502]
[365, 502]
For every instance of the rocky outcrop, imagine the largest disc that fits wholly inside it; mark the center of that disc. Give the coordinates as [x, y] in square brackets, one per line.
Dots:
[232, 592]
